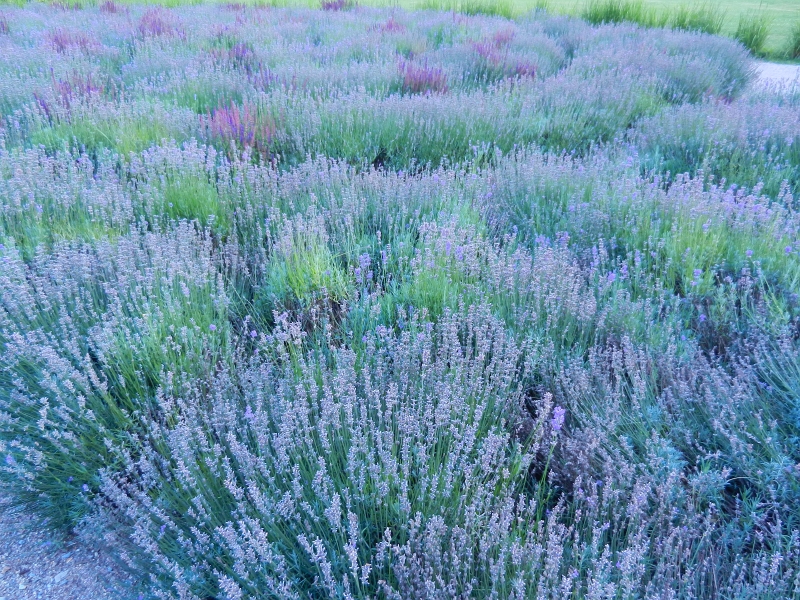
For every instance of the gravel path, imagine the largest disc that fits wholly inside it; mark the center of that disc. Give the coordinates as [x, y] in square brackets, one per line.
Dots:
[36, 564]
[774, 74]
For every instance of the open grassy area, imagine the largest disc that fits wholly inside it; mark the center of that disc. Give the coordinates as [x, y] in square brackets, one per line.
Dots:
[374, 304]
[782, 14]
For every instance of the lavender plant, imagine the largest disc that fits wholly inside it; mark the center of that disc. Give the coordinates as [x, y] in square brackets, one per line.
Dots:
[368, 303]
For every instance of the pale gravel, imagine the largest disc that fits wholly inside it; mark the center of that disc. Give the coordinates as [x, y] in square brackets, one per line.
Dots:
[774, 74]
[38, 564]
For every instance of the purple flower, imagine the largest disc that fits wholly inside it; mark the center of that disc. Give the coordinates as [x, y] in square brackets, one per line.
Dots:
[248, 413]
[612, 277]
[557, 422]
[85, 487]
[788, 249]
[698, 273]
[702, 318]
[69, 480]
[253, 333]
[162, 529]
[9, 459]
[212, 327]
[421, 79]
[749, 253]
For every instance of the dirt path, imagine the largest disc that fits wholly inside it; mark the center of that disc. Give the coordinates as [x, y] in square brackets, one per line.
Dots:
[774, 74]
[35, 564]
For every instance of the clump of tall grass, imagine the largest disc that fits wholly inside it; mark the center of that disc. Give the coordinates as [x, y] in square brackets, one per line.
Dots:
[793, 48]
[498, 8]
[708, 18]
[622, 11]
[752, 31]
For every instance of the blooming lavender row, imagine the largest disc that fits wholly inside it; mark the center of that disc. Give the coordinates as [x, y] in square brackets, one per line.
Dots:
[373, 304]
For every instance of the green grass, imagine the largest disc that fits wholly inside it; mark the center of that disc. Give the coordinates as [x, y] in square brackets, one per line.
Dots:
[794, 41]
[697, 17]
[714, 17]
[752, 32]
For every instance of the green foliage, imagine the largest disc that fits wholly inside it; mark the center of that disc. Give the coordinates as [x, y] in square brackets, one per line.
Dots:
[498, 8]
[46, 224]
[704, 17]
[196, 200]
[304, 278]
[793, 48]
[122, 135]
[620, 11]
[752, 31]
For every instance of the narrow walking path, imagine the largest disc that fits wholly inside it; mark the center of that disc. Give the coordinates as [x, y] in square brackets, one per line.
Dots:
[36, 564]
[776, 74]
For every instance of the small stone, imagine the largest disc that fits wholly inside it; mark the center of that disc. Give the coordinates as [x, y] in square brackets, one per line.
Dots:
[22, 586]
[60, 576]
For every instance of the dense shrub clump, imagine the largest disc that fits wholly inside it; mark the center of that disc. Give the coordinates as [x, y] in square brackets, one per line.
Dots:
[375, 304]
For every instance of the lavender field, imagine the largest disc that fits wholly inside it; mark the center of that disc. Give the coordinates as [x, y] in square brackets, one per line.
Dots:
[365, 303]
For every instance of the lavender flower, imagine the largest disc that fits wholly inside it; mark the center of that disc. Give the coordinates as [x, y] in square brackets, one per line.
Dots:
[557, 421]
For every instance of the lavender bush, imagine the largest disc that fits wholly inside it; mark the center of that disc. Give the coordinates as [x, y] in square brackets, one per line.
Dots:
[376, 304]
